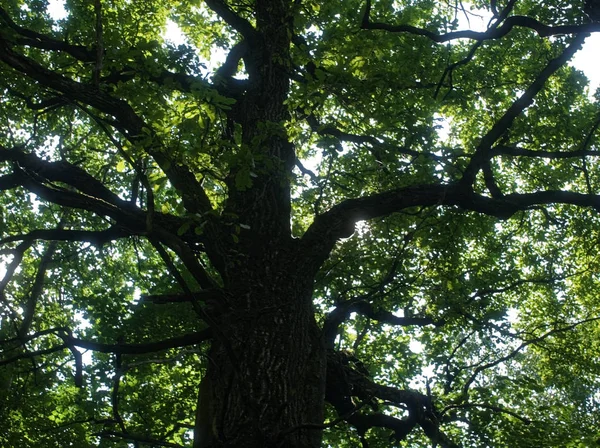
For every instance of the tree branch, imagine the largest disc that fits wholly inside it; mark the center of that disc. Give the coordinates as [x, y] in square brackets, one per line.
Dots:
[138, 349]
[493, 33]
[515, 151]
[238, 23]
[136, 130]
[30, 355]
[65, 172]
[498, 409]
[482, 153]
[204, 295]
[95, 237]
[345, 381]
[360, 305]
[36, 288]
[38, 40]
[38, 176]
[137, 438]
[338, 222]
[516, 351]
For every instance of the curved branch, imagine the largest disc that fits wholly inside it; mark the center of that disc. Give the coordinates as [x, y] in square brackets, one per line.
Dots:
[10, 270]
[517, 350]
[62, 171]
[498, 409]
[139, 349]
[136, 438]
[36, 289]
[121, 348]
[345, 381]
[136, 130]
[237, 22]
[38, 40]
[373, 142]
[338, 222]
[482, 153]
[38, 176]
[29, 355]
[493, 33]
[335, 318]
[515, 151]
[9, 181]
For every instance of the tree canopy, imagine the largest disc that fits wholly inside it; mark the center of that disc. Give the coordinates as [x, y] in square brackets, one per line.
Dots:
[314, 223]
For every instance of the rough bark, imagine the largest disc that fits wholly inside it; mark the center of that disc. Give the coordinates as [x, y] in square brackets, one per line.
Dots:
[267, 362]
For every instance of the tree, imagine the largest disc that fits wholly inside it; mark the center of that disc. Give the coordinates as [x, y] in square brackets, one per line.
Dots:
[365, 225]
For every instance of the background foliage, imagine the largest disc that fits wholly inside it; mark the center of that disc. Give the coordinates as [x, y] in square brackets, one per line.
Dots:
[506, 325]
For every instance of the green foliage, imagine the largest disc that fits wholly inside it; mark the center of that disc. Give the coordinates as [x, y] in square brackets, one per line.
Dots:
[510, 353]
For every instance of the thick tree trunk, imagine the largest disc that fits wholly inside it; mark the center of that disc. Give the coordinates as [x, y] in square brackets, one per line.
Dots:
[267, 363]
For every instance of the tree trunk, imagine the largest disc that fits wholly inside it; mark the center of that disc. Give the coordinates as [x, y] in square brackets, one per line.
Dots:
[267, 362]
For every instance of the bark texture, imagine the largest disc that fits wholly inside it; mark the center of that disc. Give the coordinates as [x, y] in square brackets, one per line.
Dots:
[267, 363]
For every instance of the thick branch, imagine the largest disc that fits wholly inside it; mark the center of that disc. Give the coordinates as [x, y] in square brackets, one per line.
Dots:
[65, 172]
[341, 313]
[338, 222]
[29, 355]
[138, 349]
[238, 23]
[39, 177]
[205, 295]
[345, 381]
[523, 345]
[36, 289]
[131, 124]
[498, 409]
[9, 181]
[148, 441]
[37, 40]
[503, 150]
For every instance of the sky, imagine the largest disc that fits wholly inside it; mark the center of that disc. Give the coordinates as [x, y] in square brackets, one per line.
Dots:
[588, 61]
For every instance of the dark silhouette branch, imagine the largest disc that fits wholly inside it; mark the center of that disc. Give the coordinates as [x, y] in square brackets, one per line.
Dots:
[498, 409]
[137, 438]
[17, 254]
[338, 222]
[204, 295]
[36, 289]
[95, 237]
[492, 33]
[515, 151]
[497, 20]
[118, 348]
[482, 153]
[44, 178]
[361, 305]
[517, 350]
[99, 44]
[139, 349]
[44, 42]
[237, 22]
[63, 172]
[31, 355]
[9, 181]
[133, 126]
[345, 380]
